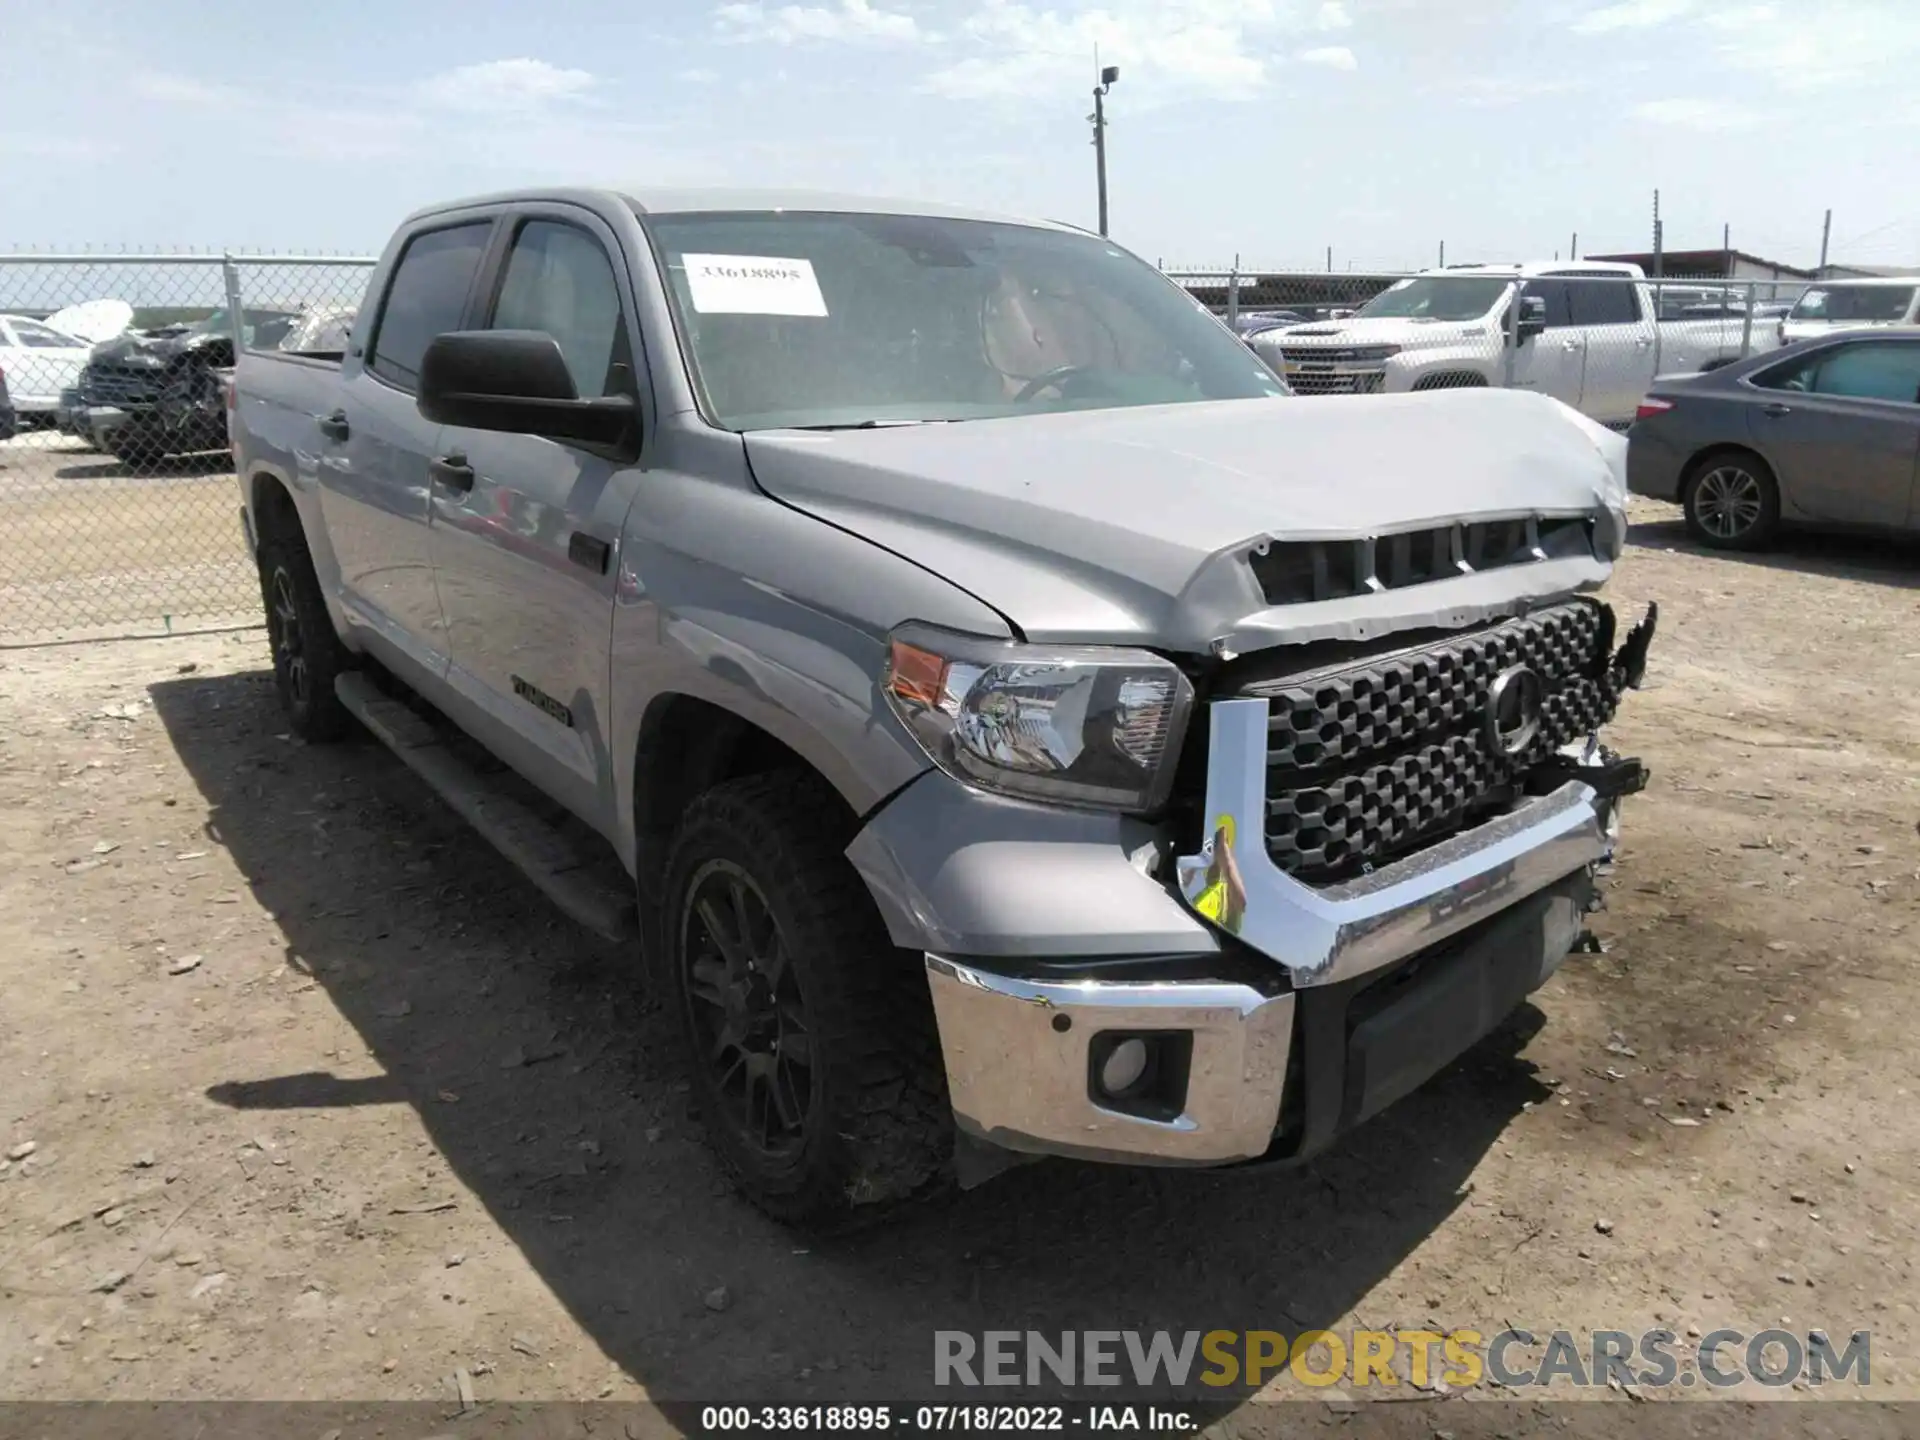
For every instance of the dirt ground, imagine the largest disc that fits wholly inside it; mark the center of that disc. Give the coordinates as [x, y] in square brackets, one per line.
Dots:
[324, 1102]
[93, 549]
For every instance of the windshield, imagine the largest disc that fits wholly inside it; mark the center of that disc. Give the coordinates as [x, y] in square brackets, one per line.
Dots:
[1854, 302]
[1436, 297]
[812, 319]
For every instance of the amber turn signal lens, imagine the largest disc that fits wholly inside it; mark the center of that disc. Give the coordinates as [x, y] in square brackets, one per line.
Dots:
[916, 676]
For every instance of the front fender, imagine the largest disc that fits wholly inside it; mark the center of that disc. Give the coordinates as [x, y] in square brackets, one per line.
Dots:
[727, 596]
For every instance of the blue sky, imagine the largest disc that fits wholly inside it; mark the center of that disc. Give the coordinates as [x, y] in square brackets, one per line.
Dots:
[1267, 128]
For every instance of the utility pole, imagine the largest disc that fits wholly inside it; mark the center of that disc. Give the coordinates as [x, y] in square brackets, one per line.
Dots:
[1657, 237]
[1443, 255]
[1102, 83]
[1329, 259]
[1826, 229]
[1573, 246]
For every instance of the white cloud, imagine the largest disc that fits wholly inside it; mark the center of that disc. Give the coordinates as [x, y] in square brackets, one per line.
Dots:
[1631, 15]
[848, 20]
[1166, 49]
[1696, 114]
[38, 145]
[1847, 41]
[170, 89]
[518, 85]
[1488, 92]
[1334, 57]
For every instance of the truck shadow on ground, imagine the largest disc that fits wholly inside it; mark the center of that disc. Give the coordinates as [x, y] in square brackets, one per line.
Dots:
[1876, 559]
[572, 1131]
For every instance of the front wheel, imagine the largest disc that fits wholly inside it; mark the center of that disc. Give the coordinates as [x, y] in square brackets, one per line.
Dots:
[1732, 501]
[809, 1038]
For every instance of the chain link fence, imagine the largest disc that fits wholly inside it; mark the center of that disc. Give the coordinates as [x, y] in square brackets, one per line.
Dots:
[1585, 336]
[119, 514]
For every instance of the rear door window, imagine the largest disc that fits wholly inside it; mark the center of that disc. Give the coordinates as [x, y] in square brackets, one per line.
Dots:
[1871, 372]
[40, 337]
[427, 297]
[1604, 302]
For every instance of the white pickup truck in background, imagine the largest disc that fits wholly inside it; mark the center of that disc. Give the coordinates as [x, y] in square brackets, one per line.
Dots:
[1586, 334]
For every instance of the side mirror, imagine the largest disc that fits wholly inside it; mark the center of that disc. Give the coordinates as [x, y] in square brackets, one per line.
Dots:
[516, 381]
[1532, 320]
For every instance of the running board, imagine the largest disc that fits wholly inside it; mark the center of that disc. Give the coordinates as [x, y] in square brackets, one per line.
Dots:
[572, 872]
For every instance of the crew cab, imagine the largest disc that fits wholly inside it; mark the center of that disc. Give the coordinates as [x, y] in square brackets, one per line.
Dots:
[1835, 305]
[1018, 725]
[1585, 333]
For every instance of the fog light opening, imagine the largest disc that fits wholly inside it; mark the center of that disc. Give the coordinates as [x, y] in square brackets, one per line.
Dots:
[1124, 1067]
[1140, 1072]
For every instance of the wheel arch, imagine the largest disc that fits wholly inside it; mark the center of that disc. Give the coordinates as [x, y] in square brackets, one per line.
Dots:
[1699, 460]
[275, 512]
[685, 745]
[1453, 379]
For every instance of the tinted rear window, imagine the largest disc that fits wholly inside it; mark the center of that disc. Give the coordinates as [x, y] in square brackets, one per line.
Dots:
[1855, 303]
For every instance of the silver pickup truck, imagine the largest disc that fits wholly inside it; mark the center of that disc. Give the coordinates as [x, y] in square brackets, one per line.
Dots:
[1022, 726]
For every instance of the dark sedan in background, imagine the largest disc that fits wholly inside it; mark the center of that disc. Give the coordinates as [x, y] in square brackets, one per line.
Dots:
[1824, 433]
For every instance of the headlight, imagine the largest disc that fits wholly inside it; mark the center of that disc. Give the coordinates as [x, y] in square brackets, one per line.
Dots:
[1073, 725]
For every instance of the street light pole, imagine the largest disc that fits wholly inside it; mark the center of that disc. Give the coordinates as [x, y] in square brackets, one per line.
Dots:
[1099, 117]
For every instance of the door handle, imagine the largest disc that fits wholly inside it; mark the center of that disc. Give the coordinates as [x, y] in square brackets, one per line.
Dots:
[1776, 410]
[334, 426]
[589, 552]
[1571, 345]
[452, 471]
[1643, 343]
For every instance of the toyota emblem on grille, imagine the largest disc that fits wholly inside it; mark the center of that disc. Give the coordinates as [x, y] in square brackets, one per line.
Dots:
[1513, 711]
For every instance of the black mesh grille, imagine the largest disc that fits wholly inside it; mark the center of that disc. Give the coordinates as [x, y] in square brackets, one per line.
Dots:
[106, 384]
[1368, 758]
[1293, 572]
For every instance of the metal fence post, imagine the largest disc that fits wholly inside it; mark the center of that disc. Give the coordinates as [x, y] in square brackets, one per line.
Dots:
[1513, 334]
[236, 319]
[1746, 323]
[1233, 296]
[1658, 300]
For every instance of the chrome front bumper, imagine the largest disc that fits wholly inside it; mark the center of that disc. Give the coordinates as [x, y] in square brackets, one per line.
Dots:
[1019, 1054]
[1019, 1063]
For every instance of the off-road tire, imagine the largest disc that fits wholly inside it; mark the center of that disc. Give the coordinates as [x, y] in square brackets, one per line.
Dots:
[307, 653]
[878, 1129]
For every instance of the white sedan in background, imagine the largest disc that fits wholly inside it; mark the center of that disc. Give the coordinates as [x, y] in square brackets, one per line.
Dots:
[39, 362]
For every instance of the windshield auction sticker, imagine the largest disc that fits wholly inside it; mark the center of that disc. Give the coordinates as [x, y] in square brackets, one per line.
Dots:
[753, 285]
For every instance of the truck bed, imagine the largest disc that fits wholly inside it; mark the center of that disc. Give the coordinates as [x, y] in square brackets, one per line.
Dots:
[279, 398]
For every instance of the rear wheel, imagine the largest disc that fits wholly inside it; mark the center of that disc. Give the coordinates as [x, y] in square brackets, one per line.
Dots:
[1732, 501]
[809, 1038]
[307, 653]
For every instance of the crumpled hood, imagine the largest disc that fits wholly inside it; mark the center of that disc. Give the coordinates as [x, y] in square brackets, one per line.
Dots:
[159, 351]
[1135, 526]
